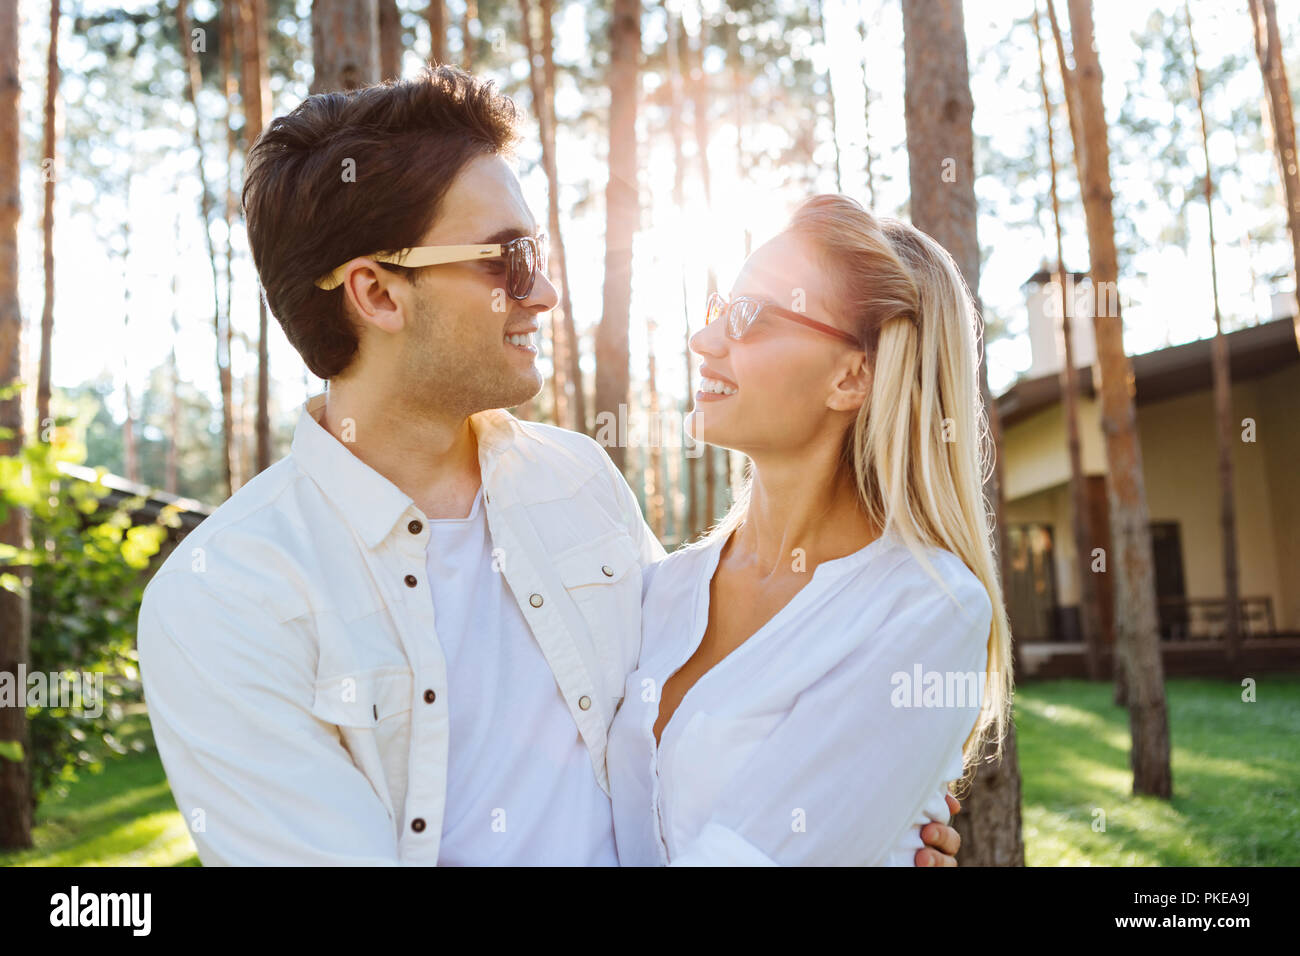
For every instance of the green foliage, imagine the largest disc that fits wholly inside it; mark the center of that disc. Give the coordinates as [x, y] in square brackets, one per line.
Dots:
[86, 582]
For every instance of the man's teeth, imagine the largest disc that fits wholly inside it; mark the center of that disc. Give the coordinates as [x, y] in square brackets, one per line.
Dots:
[524, 340]
[716, 387]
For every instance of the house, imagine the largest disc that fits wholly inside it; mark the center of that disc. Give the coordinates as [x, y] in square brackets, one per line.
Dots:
[1176, 425]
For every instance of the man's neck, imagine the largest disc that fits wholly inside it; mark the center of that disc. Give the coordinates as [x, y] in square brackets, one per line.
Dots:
[431, 458]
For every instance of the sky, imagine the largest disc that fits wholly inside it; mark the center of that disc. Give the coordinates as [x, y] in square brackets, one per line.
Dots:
[1169, 304]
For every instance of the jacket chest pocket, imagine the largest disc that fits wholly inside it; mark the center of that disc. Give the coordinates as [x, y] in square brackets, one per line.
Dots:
[372, 711]
[603, 578]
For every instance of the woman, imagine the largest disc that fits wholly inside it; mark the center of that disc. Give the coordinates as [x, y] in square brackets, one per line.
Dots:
[816, 669]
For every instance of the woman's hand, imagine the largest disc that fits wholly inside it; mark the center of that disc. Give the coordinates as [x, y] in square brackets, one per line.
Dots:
[941, 841]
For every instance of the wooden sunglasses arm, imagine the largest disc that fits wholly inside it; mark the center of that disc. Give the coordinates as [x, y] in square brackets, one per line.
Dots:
[417, 256]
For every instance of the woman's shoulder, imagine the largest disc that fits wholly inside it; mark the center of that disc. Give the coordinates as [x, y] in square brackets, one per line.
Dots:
[682, 567]
[931, 574]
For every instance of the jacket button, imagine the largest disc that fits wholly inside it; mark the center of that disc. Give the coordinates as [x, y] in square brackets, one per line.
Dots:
[584, 702]
[418, 824]
[415, 527]
[535, 600]
[410, 580]
[607, 571]
[430, 696]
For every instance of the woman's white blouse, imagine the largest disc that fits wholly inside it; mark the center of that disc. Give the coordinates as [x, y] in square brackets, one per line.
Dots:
[827, 738]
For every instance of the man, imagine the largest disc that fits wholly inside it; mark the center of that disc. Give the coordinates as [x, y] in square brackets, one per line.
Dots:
[404, 642]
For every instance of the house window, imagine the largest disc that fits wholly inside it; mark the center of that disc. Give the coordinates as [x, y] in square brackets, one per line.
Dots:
[1171, 594]
[1031, 583]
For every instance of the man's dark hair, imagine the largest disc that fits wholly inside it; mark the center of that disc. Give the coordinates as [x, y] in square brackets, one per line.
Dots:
[408, 139]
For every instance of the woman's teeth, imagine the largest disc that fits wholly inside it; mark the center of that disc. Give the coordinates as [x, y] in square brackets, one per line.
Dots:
[524, 340]
[716, 387]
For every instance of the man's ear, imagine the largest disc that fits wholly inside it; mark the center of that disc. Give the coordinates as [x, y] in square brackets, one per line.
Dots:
[372, 292]
[851, 386]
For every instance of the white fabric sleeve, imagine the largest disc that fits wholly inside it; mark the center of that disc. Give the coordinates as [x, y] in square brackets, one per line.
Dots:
[649, 550]
[840, 779]
[259, 779]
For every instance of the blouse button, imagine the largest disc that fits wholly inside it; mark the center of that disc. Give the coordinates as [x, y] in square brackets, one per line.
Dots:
[418, 824]
[415, 527]
[584, 702]
[607, 571]
[410, 580]
[535, 600]
[430, 696]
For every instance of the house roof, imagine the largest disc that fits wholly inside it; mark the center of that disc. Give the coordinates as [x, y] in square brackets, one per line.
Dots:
[1164, 373]
[191, 512]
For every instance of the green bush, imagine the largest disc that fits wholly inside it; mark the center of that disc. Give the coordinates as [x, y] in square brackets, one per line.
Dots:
[87, 565]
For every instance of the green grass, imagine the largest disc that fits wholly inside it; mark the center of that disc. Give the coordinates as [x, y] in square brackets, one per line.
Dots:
[1236, 787]
[124, 816]
[1236, 769]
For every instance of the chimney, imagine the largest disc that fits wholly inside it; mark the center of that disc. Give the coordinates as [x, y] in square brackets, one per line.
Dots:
[1043, 303]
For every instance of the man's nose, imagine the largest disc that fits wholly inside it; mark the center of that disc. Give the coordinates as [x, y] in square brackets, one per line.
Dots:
[544, 296]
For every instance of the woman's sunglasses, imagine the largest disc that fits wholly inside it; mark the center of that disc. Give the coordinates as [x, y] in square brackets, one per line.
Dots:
[525, 257]
[743, 311]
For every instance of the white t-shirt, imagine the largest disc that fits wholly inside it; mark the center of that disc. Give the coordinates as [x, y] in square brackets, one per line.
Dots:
[520, 788]
[826, 738]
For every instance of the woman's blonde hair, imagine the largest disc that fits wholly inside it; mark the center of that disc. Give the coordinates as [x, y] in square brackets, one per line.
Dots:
[919, 463]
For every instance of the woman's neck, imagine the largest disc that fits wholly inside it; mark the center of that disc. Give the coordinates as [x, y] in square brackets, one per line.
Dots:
[802, 511]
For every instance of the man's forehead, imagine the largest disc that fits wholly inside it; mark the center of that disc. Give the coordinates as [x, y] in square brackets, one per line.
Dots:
[484, 204]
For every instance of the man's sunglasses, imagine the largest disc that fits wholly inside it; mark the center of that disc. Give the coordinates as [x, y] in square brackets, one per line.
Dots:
[525, 257]
[741, 313]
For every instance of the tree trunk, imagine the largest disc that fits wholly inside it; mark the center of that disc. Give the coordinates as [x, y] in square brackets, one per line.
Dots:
[437, 17]
[1268, 48]
[174, 416]
[1069, 381]
[820, 5]
[621, 213]
[390, 40]
[131, 465]
[467, 36]
[221, 318]
[255, 91]
[193, 81]
[570, 406]
[1222, 393]
[866, 111]
[1137, 638]
[44, 423]
[940, 146]
[687, 524]
[15, 621]
[344, 44]
[574, 378]
[700, 116]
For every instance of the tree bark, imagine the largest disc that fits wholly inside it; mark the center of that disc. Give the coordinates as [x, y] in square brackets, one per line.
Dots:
[1069, 381]
[622, 202]
[940, 146]
[44, 423]
[1268, 49]
[15, 620]
[256, 94]
[221, 318]
[576, 391]
[437, 17]
[1137, 638]
[344, 44]
[193, 82]
[390, 40]
[819, 5]
[1222, 393]
[570, 411]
